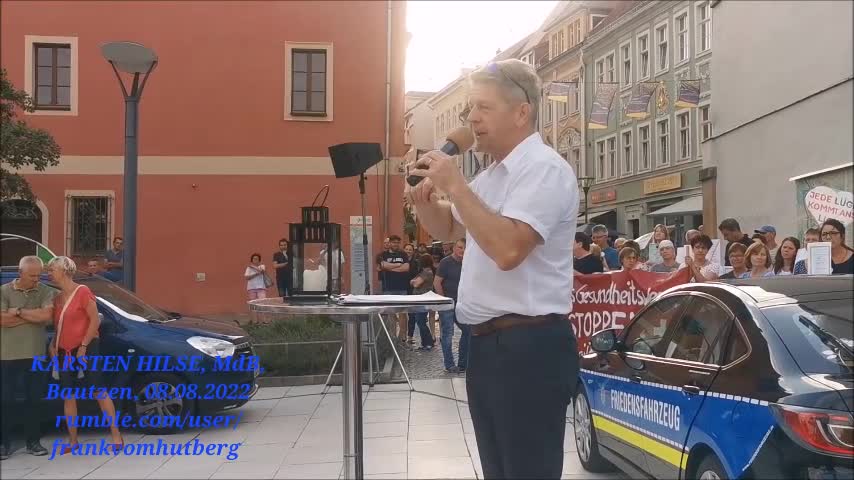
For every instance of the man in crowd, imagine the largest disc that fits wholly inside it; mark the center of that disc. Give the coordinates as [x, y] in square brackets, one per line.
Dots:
[394, 266]
[612, 256]
[115, 261]
[668, 258]
[731, 232]
[379, 260]
[282, 265]
[26, 307]
[769, 238]
[93, 267]
[446, 283]
[584, 262]
[519, 216]
[812, 235]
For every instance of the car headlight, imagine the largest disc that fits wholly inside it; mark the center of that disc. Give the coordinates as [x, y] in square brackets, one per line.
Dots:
[212, 346]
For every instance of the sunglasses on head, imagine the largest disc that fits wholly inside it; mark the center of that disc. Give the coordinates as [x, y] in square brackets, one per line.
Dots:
[494, 68]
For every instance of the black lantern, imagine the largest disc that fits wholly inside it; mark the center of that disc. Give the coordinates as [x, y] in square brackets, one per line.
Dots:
[316, 256]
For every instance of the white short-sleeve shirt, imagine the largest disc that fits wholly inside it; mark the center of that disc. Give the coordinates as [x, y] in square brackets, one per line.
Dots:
[533, 184]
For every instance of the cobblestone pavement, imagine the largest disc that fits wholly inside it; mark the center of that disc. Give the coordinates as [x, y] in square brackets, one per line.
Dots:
[425, 365]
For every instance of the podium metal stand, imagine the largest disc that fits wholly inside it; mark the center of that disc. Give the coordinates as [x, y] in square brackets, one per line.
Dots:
[351, 317]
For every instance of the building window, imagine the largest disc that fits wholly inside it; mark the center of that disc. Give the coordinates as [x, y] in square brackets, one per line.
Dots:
[574, 105]
[643, 143]
[558, 44]
[681, 27]
[52, 79]
[600, 71]
[610, 68]
[547, 111]
[661, 44]
[562, 109]
[626, 59]
[575, 160]
[683, 120]
[643, 56]
[308, 87]
[596, 20]
[704, 118]
[600, 160]
[612, 157]
[89, 225]
[704, 73]
[663, 129]
[627, 152]
[704, 27]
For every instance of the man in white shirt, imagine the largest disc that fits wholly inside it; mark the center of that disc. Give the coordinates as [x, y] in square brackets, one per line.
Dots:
[519, 218]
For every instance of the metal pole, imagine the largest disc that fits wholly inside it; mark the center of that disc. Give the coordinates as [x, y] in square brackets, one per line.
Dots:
[130, 186]
[351, 393]
[586, 207]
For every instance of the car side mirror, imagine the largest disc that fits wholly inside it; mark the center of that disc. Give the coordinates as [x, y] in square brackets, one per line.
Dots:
[604, 341]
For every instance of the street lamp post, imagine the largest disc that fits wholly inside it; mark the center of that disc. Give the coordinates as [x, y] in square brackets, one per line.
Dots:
[586, 183]
[136, 59]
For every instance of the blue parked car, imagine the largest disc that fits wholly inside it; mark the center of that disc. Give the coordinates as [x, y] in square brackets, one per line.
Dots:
[130, 326]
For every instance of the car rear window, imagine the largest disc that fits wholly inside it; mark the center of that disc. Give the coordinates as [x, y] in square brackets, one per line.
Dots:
[819, 334]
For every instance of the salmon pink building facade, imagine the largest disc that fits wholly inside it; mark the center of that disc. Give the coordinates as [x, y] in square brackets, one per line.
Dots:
[234, 129]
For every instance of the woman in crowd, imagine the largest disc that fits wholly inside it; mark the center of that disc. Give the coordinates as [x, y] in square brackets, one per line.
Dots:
[256, 279]
[423, 283]
[668, 258]
[76, 322]
[812, 235]
[841, 255]
[659, 234]
[737, 260]
[758, 261]
[629, 258]
[703, 269]
[784, 261]
[409, 250]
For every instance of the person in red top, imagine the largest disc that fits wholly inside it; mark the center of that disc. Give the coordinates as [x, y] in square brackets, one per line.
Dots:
[76, 321]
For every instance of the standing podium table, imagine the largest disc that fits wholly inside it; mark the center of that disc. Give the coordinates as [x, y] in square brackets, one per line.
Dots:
[350, 316]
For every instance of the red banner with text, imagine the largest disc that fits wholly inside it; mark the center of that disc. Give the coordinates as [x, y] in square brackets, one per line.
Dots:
[611, 300]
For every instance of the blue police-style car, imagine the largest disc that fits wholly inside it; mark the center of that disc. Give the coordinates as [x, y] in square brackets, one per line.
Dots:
[130, 326]
[748, 379]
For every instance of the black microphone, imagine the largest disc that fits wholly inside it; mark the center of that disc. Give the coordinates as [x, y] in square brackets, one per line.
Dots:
[459, 140]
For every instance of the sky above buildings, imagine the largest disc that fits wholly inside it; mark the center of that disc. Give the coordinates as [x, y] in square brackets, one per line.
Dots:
[450, 35]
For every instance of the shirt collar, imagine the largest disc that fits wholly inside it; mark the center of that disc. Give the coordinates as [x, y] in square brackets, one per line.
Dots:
[514, 159]
[15, 286]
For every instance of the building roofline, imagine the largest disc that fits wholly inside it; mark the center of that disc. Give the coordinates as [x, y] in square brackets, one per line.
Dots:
[624, 18]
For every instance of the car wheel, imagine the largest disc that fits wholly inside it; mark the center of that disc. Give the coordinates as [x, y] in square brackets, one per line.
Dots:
[586, 442]
[155, 397]
[710, 469]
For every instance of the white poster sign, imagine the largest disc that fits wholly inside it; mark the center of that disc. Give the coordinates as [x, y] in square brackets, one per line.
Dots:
[818, 258]
[357, 255]
[825, 202]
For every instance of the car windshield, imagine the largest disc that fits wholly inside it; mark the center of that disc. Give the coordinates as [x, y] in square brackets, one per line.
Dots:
[819, 334]
[122, 298]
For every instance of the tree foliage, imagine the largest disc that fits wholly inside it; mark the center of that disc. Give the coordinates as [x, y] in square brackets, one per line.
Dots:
[20, 145]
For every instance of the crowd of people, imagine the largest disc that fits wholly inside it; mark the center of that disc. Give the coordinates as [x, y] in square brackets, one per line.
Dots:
[756, 256]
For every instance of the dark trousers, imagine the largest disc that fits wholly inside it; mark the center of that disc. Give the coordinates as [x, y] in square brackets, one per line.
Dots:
[18, 381]
[284, 289]
[519, 384]
[420, 319]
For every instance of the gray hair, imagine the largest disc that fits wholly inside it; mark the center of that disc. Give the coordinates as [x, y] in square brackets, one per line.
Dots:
[63, 263]
[30, 260]
[517, 79]
[600, 229]
[691, 233]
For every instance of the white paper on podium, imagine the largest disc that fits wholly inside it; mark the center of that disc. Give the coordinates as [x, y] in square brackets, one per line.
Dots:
[430, 298]
[818, 258]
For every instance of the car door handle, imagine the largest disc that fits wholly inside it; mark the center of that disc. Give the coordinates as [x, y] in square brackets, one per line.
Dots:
[691, 389]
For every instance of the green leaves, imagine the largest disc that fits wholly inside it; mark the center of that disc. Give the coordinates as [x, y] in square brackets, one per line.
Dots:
[20, 145]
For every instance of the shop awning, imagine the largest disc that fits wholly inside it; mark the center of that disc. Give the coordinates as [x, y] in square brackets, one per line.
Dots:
[593, 215]
[687, 206]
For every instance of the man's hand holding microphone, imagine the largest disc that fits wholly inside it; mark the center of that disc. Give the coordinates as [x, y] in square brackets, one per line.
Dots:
[436, 169]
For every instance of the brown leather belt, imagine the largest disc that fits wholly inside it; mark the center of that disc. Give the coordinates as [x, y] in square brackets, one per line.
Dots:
[511, 320]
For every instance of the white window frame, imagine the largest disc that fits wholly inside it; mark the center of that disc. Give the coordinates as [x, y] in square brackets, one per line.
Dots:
[699, 30]
[700, 125]
[575, 159]
[599, 70]
[631, 153]
[638, 68]
[611, 73]
[659, 162]
[29, 70]
[677, 62]
[576, 97]
[563, 109]
[650, 158]
[683, 113]
[666, 42]
[547, 112]
[601, 160]
[330, 63]
[625, 85]
[591, 20]
[612, 156]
